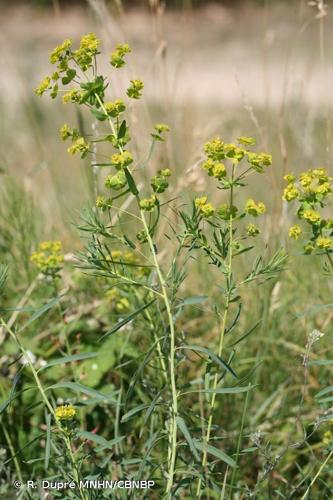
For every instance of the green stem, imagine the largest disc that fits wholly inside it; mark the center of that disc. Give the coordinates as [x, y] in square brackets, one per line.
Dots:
[12, 451]
[49, 406]
[174, 411]
[317, 475]
[240, 436]
[221, 339]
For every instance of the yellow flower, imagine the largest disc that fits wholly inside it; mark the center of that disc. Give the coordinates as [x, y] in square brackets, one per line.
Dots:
[214, 149]
[65, 132]
[48, 258]
[306, 178]
[148, 204]
[246, 141]
[200, 201]
[65, 413]
[219, 171]
[117, 57]
[254, 208]
[122, 305]
[324, 243]
[206, 209]
[162, 127]
[60, 51]
[43, 86]
[121, 160]
[323, 188]
[112, 294]
[72, 96]
[328, 438]
[320, 174]
[134, 90]
[79, 146]
[88, 49]
[252, 230]
[290, 178]
[290, 192]
[114, 108]
[295, 232]
[103, 203]
[311, 215]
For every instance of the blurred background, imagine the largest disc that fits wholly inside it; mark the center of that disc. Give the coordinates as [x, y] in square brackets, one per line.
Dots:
[258, 68]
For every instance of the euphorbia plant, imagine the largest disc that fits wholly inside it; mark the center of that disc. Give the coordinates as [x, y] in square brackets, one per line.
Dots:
[123, 250]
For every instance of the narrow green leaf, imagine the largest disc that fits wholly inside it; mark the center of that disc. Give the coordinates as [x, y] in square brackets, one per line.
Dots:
[48, 441]
[321, 362]
[69, 359]
[104, 443]
[190, 301]
[227, 390]
[126, 320]
[131, 182]
[186, 433]
[12, 394]
[217, 359]
[39, 312]
[324, 391]
[98, 114]
[74, 386]
[216, 453]
[122, 130]
[134, 411]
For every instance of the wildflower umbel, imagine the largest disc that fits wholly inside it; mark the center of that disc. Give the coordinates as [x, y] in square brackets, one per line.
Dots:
[65, 413]
[311, 189]
[48, 258]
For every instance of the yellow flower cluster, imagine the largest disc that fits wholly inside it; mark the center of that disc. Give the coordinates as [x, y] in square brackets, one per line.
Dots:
[65, 413]
[72, 96]
[216, 170]
[311, 188]
[88, 49]
[160, 128]
[253, 208]
[134, 90]
[324, 243]
[310, 215]
[43, 86]
[217, 150]
[79, 145]
[48, 258]
[252, 230]
[290, 193]
[59, 52]
[121, 160]
[114, 108]
[117, 181]
[148, 204]
[103, 203]
[206, 209]
[295, 232]
[117, 57]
